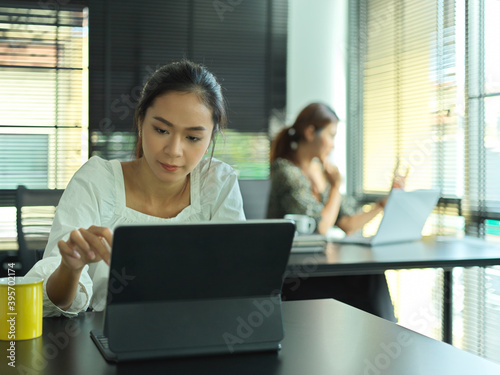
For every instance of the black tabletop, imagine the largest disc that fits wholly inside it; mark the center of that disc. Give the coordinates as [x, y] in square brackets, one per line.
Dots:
[440, 252]
[321, 337]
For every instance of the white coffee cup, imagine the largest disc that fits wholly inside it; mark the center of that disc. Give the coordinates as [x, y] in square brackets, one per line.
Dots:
[303, 223]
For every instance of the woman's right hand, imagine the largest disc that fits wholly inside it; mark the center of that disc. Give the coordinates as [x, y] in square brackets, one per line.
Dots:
[86, 246]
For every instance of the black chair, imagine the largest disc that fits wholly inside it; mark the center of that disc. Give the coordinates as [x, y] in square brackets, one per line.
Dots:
[35, 209]
[255, 194]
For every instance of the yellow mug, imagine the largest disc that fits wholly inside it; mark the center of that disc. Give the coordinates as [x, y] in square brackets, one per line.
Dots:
[21, 308]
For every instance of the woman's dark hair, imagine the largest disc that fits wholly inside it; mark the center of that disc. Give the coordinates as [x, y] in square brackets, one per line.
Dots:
[317, 114]
[183, 76]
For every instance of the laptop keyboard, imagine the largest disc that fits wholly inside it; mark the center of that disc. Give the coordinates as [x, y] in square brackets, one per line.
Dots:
[103, 340]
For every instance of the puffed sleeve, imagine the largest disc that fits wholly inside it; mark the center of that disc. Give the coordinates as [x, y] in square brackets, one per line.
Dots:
[79, 207]
[227, 203]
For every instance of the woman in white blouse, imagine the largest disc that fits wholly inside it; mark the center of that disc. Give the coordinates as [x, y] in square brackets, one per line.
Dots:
[180, 111]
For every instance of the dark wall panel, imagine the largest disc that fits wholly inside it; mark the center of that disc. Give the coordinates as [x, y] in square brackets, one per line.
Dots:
[234, 45]
[242, 43]
[128, 41]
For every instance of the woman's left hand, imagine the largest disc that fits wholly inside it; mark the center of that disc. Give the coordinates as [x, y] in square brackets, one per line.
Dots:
[399, 181]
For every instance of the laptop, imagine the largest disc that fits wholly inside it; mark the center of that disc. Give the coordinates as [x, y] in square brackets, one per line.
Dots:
[309, 243]
[195, 289]
[404, 218]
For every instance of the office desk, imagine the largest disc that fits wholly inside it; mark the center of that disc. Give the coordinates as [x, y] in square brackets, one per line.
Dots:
[322, 337]
[443, 252]
[440, 252]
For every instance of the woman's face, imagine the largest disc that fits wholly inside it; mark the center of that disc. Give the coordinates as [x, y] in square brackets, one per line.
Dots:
[176, 133]
[324, 141]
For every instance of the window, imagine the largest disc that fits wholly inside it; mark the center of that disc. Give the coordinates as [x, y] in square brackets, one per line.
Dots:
[247, 153]
[424, 90]
[43, 101]
[479, 330]
[407, 85]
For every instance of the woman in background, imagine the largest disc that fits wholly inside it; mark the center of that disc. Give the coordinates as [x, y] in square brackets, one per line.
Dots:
[304, 182]
[180, 111]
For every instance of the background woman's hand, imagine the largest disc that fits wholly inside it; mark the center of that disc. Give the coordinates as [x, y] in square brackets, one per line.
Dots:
[86, 246]
[332, 174]
[398, 181]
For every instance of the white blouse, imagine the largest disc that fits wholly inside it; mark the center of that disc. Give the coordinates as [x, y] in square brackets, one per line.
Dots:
[96, 196]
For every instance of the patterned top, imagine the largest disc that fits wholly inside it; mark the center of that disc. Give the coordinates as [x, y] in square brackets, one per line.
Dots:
[291, 193]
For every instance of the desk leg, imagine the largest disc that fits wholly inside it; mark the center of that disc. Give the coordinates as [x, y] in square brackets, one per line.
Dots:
[448, 306]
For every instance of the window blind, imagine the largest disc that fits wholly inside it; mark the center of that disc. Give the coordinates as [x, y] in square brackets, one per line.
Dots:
[483, 88]
[410, 85]
[480, 329]
[43, 101]
[424, 93]
[403, 114]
